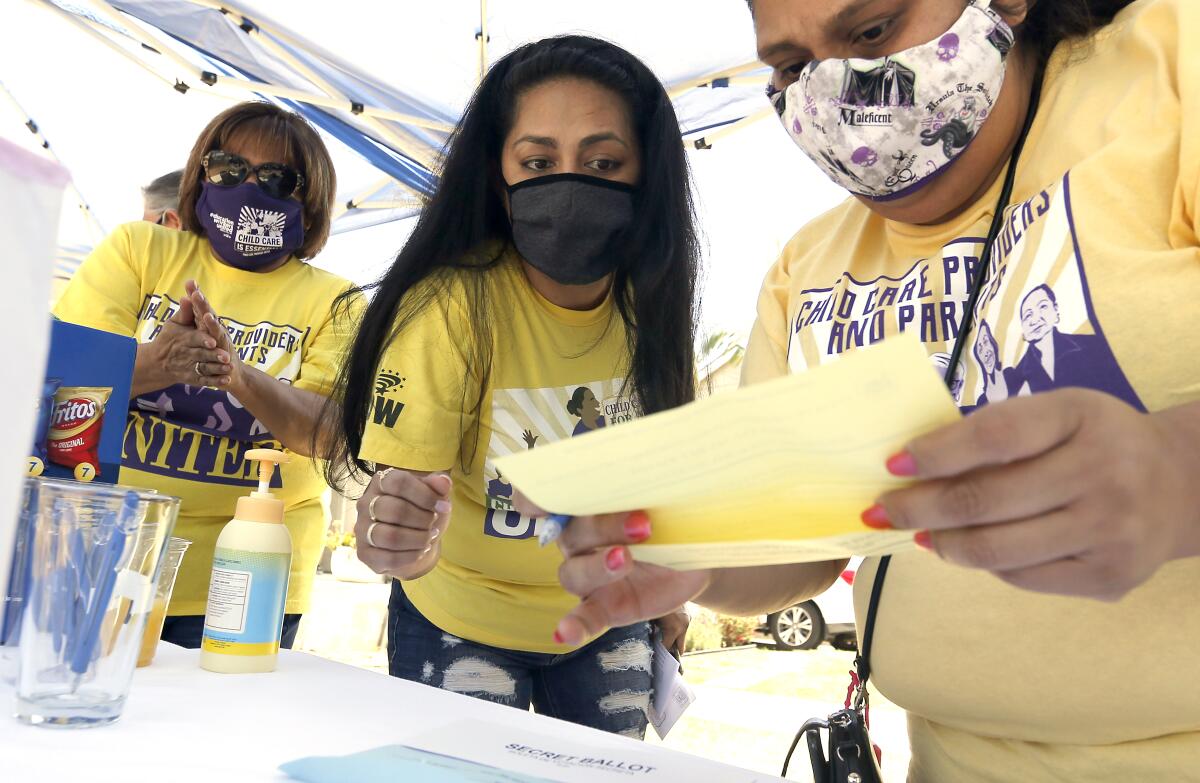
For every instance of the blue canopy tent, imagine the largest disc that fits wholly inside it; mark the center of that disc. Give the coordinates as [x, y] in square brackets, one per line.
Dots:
[233, 50]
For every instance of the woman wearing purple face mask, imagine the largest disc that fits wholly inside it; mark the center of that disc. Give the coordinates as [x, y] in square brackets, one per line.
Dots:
[1033, 165]
[237, 338]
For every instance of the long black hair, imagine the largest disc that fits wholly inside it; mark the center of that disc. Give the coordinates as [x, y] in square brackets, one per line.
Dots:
[464, 230]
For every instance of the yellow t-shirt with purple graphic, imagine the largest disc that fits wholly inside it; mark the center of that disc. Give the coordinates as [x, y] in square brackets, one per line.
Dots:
[191, 441]
[556, 373]
[1094, 283]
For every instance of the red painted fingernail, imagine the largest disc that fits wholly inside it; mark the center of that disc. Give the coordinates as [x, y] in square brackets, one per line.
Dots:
[615, 559]
[558, 639]
[876, 517]
[902, 464]
[637, 526]
[923, 539]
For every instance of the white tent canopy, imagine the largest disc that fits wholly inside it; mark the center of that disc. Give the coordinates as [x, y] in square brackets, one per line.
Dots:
[116, 123]
[235, 50]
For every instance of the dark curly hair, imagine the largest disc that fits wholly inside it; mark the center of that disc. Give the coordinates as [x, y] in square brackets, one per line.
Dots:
[1050, 22]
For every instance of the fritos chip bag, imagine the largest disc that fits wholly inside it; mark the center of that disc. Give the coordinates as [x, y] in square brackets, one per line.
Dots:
[75, 425]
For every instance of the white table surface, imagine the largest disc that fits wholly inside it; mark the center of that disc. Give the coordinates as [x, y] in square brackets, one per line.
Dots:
[182, 723]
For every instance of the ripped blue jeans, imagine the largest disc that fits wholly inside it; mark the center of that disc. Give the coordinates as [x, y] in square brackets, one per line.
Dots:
[605, 684]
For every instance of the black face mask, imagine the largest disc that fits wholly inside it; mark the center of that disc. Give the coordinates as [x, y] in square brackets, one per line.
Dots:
[566, 225]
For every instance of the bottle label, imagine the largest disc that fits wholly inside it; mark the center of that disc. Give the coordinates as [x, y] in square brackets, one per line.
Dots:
[245, 602]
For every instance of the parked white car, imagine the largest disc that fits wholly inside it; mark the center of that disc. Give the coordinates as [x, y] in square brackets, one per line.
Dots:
[828, 617]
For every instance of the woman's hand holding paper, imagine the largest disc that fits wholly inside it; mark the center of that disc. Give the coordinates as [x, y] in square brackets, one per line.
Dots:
[616, 589]
[674, 628]
[1070, 492]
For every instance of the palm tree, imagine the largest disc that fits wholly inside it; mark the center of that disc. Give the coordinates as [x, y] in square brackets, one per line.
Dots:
[715, 352]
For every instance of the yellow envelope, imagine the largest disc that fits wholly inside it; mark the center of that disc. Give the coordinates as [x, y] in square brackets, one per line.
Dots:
[773, 473]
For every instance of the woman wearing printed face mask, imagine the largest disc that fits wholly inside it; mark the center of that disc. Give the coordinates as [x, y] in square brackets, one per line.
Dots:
[237, 338]
[558, 254]
[1032, 507]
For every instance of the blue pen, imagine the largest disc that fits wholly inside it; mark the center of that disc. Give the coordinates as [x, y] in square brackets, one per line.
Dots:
[78, 582]
[70, 557]
[60, 599]
[552, 528]
[88, 635]
[18, 579]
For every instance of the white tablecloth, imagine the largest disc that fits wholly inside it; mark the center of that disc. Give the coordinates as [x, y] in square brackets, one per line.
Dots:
[182, 723]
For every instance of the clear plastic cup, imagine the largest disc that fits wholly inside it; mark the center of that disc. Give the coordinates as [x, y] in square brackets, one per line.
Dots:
[176, 548]
[94, 554]
[13, 607]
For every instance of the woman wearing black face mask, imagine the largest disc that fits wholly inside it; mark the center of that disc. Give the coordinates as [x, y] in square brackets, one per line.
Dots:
[557, 254]
[238, 339]
[1045, 635]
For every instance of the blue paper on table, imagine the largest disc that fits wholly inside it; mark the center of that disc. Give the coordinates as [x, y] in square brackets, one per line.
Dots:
[393, 763]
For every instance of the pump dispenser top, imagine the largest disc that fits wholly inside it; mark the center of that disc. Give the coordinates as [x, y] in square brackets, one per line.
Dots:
[261, 505]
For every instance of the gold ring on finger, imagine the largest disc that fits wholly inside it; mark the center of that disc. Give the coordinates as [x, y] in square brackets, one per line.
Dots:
[370, 532]
[371, 508]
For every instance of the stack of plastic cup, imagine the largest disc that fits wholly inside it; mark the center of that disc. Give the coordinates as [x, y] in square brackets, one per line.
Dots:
[176, 548]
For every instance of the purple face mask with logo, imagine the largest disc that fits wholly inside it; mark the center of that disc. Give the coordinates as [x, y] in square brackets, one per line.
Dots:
[247, 228]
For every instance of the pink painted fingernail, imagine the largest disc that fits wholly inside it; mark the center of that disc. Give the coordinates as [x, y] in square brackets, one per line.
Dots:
[876, 516]
[924, 539]
[615, 559]
[637, 526]
[442, 507]
[558, 637]
[902, 464]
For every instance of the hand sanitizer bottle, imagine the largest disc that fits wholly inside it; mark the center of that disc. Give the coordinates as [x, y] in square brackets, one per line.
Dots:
[251, 566]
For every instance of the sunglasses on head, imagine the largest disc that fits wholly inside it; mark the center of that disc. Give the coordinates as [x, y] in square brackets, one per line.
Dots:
[228, 170]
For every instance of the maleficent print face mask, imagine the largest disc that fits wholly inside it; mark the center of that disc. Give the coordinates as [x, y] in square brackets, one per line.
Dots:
[882, 128]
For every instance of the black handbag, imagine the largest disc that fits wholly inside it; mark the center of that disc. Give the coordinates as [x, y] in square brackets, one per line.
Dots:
[849, 756]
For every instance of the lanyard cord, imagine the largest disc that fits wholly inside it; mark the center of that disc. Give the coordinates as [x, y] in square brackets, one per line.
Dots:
[862, 662]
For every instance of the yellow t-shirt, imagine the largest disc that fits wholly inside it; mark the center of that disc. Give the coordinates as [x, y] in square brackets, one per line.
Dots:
[1098, 262]
[189, 441]
[556, 373]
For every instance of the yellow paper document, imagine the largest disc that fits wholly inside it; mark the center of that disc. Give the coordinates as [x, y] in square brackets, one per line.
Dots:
[773, 473]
